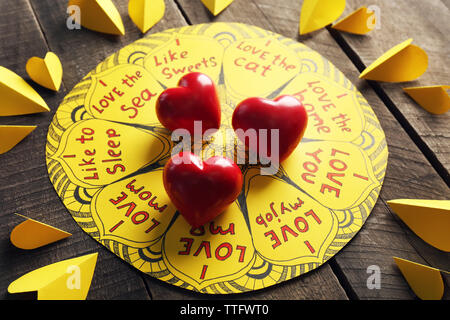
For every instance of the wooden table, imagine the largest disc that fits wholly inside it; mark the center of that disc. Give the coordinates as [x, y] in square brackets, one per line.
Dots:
[419, 145]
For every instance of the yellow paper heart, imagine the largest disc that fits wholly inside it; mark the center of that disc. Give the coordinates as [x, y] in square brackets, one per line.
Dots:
[216, 6]
[17, 96]
[10, 136]
[47, 72]
[316, 14]
[32, 234]
[426, 282]
[360, 21]
[65, 280]
[99, 15]
[403, 62]
[434, 99]
[146, 13]
[429, 219]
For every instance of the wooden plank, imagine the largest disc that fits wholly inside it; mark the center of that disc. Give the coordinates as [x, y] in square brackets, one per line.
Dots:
[409, 173]
[24, 184]
[427, 23]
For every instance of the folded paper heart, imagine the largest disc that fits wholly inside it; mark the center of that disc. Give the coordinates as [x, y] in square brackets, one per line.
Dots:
[10, 136]
[64, 280]
[201, 190]
[403, 62]
[426, 282]
[285, 114]
[32, 234]
[195, 99]
[360, 22]
[99, 15]
[434, 99]
[47, 72]
[146, 13]
[17, 96]
[316, 14]
[216, 6]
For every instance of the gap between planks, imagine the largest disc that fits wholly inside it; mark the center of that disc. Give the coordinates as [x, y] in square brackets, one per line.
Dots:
[182, 12]
[342, 278]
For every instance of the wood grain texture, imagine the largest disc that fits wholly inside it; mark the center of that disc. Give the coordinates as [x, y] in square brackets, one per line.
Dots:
[31, 27]
[427, 23]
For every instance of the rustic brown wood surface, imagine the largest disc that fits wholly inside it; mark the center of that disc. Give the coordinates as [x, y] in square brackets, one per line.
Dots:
[418, 143]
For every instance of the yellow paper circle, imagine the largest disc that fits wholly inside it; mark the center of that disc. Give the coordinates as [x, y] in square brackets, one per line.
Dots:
[281, 226]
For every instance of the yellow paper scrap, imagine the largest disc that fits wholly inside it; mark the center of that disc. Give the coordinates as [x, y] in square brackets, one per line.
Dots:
[316, 14]
[146, 13]
[65, 280]
[429, 219]
[216, 6]
[99, 15]
[403, 62]
[426, 282]
[17, 96]
[360, 21]
[47, 72]
[10, 136]
[32, 234]
[434, 99]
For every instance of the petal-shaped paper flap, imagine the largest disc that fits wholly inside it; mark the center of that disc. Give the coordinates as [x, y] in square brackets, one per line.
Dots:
[97, 152]
[333, 110]
[182, 54]
[219, 251]
[134, 211]
[125, 93]
[339, 175]
[288, 227]
[259, 66]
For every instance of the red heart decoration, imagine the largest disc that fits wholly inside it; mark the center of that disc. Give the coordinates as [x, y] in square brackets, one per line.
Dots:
[284, 113]
[195, 99]
[201, 190]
